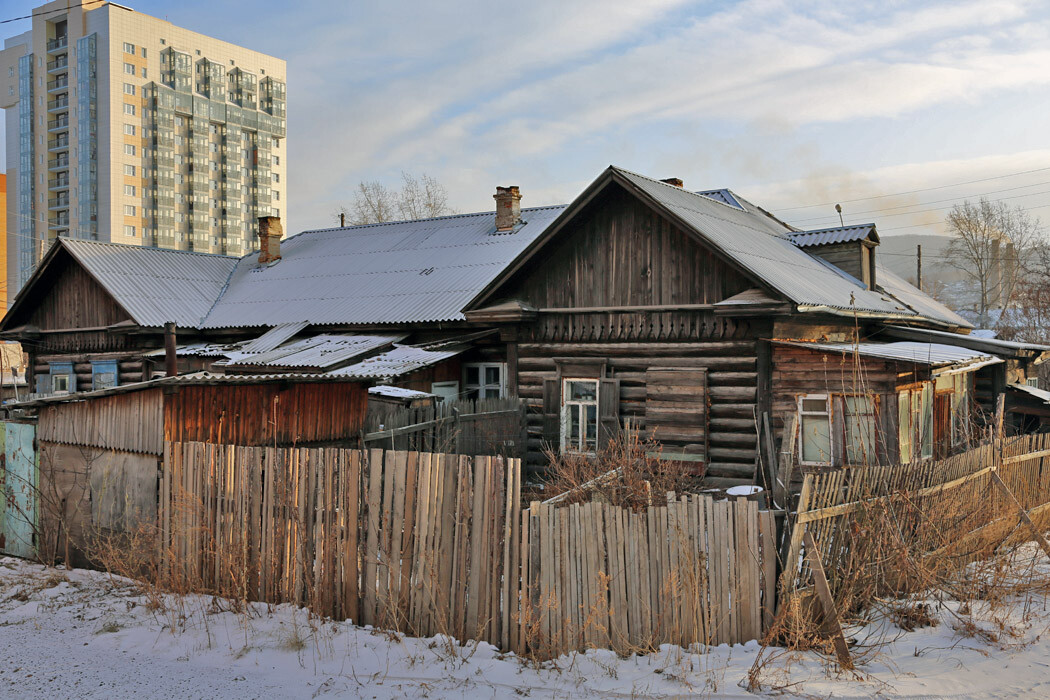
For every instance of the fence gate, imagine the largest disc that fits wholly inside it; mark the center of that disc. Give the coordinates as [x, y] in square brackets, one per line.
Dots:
[18, 509]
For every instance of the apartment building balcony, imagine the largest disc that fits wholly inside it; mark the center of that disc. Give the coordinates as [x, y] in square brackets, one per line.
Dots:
[59, 83]
[56, 203]
[263, 198]
[62, 122]
[59, 163]
[58, 44]
[58, 104]
[58, 143]
[59, 63]
[58, 221]
[58, 183]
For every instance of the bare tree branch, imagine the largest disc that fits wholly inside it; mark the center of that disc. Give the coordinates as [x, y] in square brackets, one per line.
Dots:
[420, 197]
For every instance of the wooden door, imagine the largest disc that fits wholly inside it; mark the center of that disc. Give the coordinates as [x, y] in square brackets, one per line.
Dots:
[942, 424]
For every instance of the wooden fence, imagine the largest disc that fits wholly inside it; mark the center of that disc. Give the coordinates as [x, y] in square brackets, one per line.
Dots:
[473, 427]
[961, 506]
[427, 543]
[692, 571]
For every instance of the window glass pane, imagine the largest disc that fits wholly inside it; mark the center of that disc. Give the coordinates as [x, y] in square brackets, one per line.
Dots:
[904, 423]
[583, 391]
[815, 405]
[816, 439]
[492, 375]
[926, 408]
[472, 374]
[592, 426]
[573, 427]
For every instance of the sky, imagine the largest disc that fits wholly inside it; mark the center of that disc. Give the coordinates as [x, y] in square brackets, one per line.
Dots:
[883, 106]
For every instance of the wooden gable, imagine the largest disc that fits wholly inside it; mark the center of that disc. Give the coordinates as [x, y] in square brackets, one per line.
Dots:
[619, 252]
[64, 296]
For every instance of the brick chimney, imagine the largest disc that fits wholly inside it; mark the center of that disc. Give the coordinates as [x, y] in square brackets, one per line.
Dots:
[677, 182]
[270, 233]
[508, 208]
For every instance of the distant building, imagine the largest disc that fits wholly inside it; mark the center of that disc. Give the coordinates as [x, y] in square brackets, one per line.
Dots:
[125, 128]
[4, 296]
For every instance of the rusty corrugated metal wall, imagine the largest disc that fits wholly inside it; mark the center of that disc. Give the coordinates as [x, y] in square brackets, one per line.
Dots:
[265, 414]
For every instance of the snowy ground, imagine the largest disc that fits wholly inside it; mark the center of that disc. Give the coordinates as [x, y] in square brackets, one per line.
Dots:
[85, 634]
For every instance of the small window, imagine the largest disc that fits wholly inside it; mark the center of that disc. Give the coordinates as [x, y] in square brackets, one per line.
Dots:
[144, 49]
[129, 68]
[129, 129]
[814, 439]
[276, 177]
[483, 380]
[129, 170]
[129, 89]
[1032, 382]
[103, 374]
[276, 195]
[579, 415]
[129, 48]
[62, 381]
[277, 160]
[446, 391]
[129, 210]
[129, 149]
[129, 190]
[129, 109]
[129, 231]
[143, 72]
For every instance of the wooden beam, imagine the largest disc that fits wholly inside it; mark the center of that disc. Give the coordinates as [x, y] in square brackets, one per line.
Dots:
[832, 625]
[1023, 513]
[620, 309]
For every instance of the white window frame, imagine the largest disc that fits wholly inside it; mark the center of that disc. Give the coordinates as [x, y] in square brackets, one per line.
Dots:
[500, 386]
[827, 412]
[129, 48]
[580, 407]
[56, 379]
[446, 390]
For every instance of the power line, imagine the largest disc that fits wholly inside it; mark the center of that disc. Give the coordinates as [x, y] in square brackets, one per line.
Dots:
[936, 201]
[53, 12]
[923, 189]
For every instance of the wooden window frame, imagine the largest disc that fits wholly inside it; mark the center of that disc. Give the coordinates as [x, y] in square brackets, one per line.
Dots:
[875, 413]
[579, 405]
[482, 384]
[829, 412]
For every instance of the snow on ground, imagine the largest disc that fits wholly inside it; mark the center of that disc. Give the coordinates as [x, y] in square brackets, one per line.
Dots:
[86, 634]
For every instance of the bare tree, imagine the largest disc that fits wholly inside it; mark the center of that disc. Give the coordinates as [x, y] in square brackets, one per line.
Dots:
[419, 197]
[991, 244]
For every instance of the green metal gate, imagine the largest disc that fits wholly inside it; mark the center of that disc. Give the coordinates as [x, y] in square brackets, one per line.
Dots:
[19, 507]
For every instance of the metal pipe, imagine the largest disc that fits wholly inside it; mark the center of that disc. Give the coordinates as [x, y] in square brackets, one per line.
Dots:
[171, 367]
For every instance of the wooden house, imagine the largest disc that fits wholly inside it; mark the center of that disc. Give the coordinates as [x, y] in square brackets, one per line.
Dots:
[691, 315]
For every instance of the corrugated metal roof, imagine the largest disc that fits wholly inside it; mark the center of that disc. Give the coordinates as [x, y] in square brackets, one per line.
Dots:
[1040, 394]
[199, 350]
[274, 337]
[932, 354]
[763, 246]
[398, 392]
[155, 285]
[839, 234]
[319, 352]
[404, 272]
[911, 296]
[398, 361]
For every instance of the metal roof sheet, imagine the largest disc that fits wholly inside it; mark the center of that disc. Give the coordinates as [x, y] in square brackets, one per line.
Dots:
[398, 392]
[922, 303]
[724, 196]
[199, 350]
[839, 234]
[933, 354]
[402, 272]
[1040, 394]
[272, 338]
[155, 285]
[320, 352]
[402, 359]
[762, 245]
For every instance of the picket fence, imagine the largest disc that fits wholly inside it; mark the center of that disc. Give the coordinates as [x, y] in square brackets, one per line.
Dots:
[432, 543]
[952, 507]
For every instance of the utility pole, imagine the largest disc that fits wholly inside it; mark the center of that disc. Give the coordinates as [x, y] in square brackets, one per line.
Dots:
[918, 267]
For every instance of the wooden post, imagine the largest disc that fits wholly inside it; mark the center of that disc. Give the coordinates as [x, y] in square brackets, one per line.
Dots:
[831, 616]
[1022, 512]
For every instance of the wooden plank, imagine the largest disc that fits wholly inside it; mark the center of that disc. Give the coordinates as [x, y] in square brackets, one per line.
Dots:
[833, 626]
[371, 555]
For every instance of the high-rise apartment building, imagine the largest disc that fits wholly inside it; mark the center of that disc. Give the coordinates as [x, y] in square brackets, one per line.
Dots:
[123, 127]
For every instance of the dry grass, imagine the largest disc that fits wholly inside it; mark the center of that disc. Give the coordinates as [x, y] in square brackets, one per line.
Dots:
[627, 471]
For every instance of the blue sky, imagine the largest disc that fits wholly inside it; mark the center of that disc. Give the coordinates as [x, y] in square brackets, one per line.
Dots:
[788, 103]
